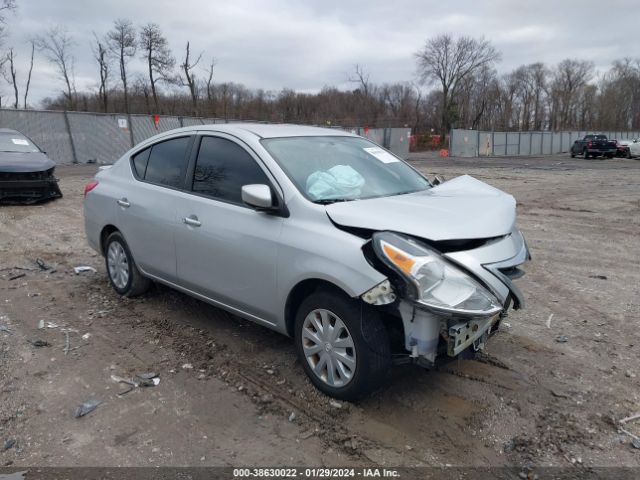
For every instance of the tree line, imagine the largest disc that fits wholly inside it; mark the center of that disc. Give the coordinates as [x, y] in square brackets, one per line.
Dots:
[457, 85]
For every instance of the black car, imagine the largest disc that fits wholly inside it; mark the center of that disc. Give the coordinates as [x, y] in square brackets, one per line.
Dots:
[26, 173]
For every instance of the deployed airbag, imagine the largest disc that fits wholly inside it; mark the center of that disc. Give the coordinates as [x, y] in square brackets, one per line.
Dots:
[340, 181]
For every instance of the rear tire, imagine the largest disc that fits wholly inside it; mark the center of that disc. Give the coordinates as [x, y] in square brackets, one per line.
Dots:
[573, 155]
[342, 344]
[124, 276]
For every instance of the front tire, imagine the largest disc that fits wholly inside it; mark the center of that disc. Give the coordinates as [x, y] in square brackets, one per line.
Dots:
[342, 344]
[586, 153]
[124, 276]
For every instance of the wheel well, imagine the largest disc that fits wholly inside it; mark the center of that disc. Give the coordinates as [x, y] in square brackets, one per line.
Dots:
[301, 291]
[106, 231]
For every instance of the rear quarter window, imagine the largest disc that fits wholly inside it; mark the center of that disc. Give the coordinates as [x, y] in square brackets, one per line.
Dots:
[139, 163]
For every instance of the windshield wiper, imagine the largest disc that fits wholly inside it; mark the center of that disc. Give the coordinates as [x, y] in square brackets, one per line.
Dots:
[327, 201]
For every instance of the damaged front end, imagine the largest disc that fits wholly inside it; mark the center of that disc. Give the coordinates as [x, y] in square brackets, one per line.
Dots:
[447, 301]
[19, 187]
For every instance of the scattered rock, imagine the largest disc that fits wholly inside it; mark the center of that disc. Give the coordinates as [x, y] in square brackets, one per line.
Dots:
[39, 343]
[629, 374]
[187, 366]
[636, 443]
[562, 339]
[292, 417]
[335, 404]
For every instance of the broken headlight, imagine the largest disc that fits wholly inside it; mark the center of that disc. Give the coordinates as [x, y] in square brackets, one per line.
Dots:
[434, 282]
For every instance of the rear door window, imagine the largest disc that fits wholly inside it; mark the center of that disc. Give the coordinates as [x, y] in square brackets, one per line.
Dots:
[167, 162]
[223, 168]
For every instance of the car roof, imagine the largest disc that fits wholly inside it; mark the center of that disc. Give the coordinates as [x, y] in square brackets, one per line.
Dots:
[270, 130]
[8, 130]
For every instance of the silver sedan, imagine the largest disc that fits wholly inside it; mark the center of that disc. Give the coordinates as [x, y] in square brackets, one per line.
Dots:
[318, 234]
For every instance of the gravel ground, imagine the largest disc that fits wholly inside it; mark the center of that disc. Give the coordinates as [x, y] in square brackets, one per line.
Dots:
[233, 393]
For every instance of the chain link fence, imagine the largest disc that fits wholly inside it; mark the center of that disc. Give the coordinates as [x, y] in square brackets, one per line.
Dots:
[78, 137]
[475, 143]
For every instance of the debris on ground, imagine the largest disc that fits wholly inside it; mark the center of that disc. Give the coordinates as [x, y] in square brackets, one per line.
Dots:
[307, 434]
[292, 417]
[66, 342]
[187, 366]
[39, 343]
[149, 379]
[549, 321]
[629, 374]
[43, 266]
[636, 443]
[599, 277]
[86, 408]
[19, 275]
[335, 404]
[562, 339]
[630, 418]
[4, 328]
[84, 268]
[9, 444]
[86, 336]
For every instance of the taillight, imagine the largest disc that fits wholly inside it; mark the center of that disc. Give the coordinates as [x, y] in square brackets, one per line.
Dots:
[590, 144]
[90, 186]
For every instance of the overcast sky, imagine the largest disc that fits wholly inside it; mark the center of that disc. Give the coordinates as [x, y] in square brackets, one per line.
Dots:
[305, 45]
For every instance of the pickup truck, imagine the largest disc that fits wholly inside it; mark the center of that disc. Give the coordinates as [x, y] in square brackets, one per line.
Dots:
[594, 146]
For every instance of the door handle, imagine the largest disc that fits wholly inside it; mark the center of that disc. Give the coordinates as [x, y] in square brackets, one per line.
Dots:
[123, 202]
[192, 221]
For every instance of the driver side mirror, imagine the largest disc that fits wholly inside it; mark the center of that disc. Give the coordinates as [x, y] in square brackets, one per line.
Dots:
[257, 196]
[438, 179]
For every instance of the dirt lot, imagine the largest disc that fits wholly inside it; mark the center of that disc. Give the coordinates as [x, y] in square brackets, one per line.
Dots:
[531, 400]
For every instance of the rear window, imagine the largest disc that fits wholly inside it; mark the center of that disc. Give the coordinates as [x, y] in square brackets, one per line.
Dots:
[167, 162]
[14, 142]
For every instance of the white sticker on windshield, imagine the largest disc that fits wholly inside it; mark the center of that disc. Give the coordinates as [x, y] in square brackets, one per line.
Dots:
[381, 154]
[20, 141]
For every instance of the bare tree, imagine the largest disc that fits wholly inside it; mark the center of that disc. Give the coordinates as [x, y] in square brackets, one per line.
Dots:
[101, 56]
[157, 54]
[56, 45]
[28, 84]
[121, 41]
[209, 87]
[569, 79]
[10, 76]
[6, 6]
[449, 61]
[189, 79]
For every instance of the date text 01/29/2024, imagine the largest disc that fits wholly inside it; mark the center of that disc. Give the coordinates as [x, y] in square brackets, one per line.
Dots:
[315, 473]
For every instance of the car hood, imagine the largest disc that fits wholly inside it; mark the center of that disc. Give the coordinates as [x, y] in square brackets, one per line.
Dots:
[16, 162]
[460, 209]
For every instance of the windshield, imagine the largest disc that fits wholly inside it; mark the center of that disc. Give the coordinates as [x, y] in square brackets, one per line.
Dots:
[331, 169]
[14, 142]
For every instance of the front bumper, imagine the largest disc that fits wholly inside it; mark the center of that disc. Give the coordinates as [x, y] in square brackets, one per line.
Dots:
[28, 187]
[428, 333]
